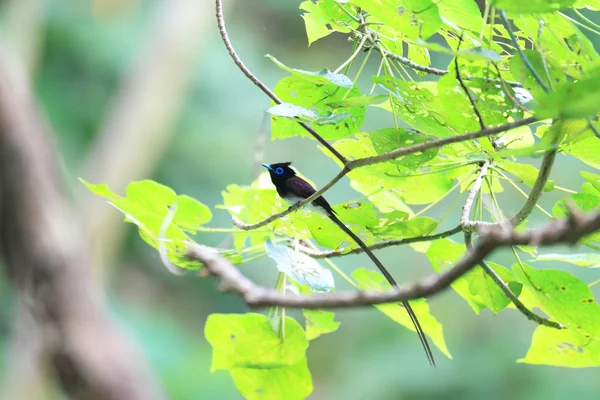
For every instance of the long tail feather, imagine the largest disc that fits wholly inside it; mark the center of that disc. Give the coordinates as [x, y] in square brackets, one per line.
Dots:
[392, 282]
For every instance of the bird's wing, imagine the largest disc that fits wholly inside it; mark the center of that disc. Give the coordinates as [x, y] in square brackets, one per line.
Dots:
[304, 190]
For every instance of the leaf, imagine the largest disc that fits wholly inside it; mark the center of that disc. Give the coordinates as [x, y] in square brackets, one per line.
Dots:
[562, 348]
[289, 382]
[309, 95]
[357, 101]
[532, 6]
[146, 205]
[261, 364]
[323, 77]
[481, 285]
[518, 138]
[319, 322]
[474, 54]
[371, 280]
[525, 172]
[586, 150]
[325, 17]
[572, 100]
[585, 202]
[287, 110]
[417, 104]
[593, 183]
[389, 139]
[443, 254]
[414, 227]
[462, 13]
[591, 260]
[415, 19]
[300, 267]
[565, 298]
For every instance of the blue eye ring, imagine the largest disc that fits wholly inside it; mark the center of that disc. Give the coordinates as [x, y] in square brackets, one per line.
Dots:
[279, 171]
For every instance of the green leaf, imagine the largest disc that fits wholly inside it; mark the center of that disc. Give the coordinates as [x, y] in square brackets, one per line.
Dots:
[412, 19]
[419, 55]
[443, 254]
[359, 217]
[462, 13]
[591, 260]
[572, 100]
[481, 285]
[301, 268]
[474, 54]
[147, 203]
[532, 6]
[565, 298]
[562, 348]
[249, 341]
[323, 77]
[389, 139]
[319, 322]
[586, 150]
[358, 101]
[393, 229]
[291, 382]
[585, 202]
[518, 138]
[371, 280]
[309, 95]
[325, 17]
[525, 172]
[287, 110]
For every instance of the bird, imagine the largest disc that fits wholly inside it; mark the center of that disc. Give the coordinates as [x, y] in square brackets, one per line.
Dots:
[293, 189]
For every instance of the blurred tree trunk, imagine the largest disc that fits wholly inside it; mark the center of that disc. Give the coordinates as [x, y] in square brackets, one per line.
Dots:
[68, 330]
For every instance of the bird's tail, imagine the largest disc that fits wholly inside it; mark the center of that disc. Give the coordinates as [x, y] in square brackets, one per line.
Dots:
[392, 282]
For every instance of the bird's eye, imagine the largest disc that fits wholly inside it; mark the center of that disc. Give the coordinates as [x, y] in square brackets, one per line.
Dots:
[279, 171]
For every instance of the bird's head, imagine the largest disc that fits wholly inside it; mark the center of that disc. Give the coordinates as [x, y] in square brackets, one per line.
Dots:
[280, 171]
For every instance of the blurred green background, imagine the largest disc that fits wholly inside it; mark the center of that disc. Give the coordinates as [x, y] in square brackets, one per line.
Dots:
[146, 87]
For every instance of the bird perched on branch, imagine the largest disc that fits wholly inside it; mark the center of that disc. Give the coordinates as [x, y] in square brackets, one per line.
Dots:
[293, 189]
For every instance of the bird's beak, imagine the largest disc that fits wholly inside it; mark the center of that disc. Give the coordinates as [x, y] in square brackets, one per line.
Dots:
[267, 166]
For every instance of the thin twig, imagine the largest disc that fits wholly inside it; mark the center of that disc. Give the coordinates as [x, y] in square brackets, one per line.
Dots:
[489, 271]
[567, 231]
[466, 211]
[403, 151]
[466, 90]
[162, 241]
[259, 83]
[418, 67]
[382, 245]
[507, 91]
[522, 54]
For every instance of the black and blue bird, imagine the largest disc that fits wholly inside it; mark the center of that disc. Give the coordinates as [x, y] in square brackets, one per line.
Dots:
[293, 189]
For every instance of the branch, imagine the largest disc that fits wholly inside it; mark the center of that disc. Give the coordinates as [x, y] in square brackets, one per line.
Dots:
[530, 315]
[389, 243]
[259, 83]
[489, 271]
[507, 91]
[466, 211]
[403, 151]
[466, 90]
[418, 67]
[522, 54]
[558, 232]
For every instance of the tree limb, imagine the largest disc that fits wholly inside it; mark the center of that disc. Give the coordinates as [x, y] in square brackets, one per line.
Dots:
[558, 232]
[254, 79]
[391, 155]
